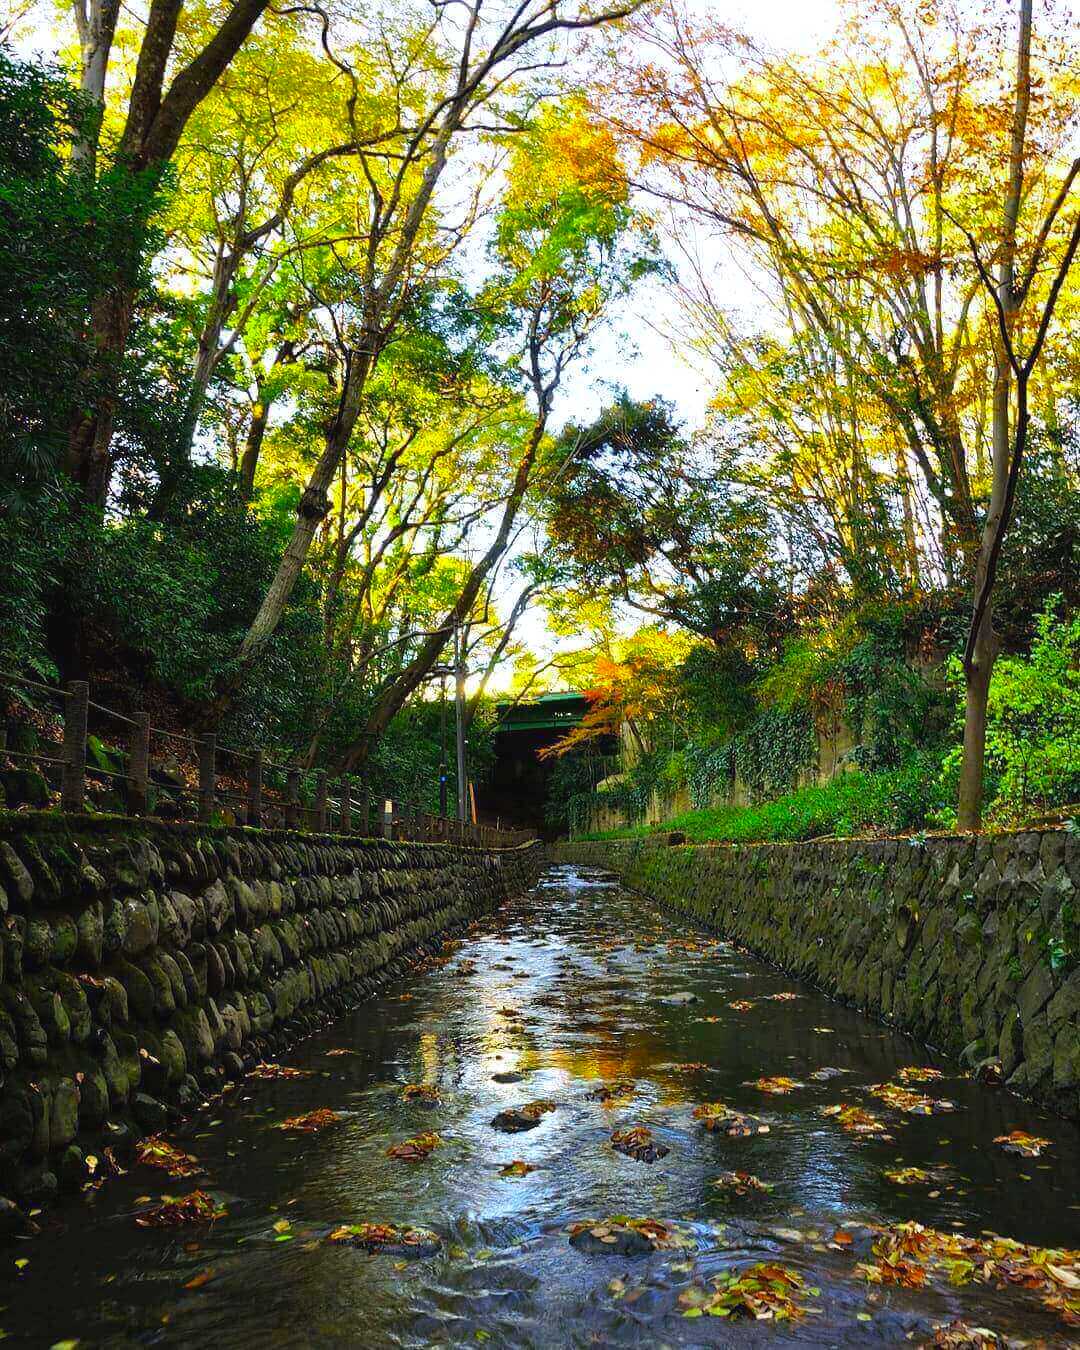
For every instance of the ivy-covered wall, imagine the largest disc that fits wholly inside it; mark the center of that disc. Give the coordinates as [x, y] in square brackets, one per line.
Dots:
[143, 965]
[970, 943]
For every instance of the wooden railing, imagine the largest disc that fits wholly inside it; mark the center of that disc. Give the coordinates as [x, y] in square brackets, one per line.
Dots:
[224, 781]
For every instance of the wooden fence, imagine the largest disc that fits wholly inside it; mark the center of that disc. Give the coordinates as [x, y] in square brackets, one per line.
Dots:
[227, 782]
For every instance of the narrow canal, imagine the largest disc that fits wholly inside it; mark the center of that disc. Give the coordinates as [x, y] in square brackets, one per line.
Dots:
[580, 992]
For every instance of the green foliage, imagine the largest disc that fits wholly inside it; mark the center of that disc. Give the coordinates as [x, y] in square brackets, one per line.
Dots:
[850, 804]
[1033, 725]
[766, 758]
[60, 234]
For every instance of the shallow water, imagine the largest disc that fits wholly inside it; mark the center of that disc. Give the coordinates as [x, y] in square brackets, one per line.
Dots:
[578, 982]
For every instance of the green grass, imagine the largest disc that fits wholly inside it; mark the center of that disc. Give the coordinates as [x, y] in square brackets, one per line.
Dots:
[852, 803]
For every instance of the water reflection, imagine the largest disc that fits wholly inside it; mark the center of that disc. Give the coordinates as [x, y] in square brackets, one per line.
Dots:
[581, 982]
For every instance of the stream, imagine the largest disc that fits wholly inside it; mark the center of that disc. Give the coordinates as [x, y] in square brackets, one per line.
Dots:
[585, 991]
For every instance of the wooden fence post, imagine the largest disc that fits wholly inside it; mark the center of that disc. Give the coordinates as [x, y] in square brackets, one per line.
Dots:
[255, 789]
[346, 805]
[365, 808]
[388, 819]
[73, 781]
[292, 798]
[139, 765]
[320, 801]
[207, 774]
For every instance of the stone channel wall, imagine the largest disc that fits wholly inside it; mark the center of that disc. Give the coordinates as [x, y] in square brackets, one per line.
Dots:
[971, 944]
[144, 965]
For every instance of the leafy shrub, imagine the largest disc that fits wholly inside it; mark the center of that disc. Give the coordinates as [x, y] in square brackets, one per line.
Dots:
[1033, 725]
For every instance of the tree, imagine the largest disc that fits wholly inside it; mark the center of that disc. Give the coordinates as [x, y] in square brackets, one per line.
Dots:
[390, 228]
[176, 67]
[562, 251]
[1013, 368]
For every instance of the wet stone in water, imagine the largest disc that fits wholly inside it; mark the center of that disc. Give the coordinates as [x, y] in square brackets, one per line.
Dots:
[518, 1118]
[640, 1143]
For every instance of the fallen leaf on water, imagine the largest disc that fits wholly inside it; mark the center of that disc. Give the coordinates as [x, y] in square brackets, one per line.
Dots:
[741, 1005]
[766, 1291]
[1018, 1141]
[338, 1053]
[203, 1277]
[741, 1183]
[312, 1121]
[196, 1207]
[269, 1072]
[158, 1152]
[826, 1072]
[781, 998]
[910, 1176]
[957, 1335]
[912, 1103]
[424, 1094]
[855, 1120]
[517, 1168]
[416, 1149]
[778, 1086]
[912, 1073]
[706, 1019]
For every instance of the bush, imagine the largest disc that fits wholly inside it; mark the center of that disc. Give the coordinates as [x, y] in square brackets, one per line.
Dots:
[1033, 726]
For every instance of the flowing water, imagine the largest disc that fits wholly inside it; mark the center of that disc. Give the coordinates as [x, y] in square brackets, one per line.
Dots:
[579, 982]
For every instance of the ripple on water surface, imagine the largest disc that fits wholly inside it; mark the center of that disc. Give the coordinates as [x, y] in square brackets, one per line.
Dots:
[776, 1212]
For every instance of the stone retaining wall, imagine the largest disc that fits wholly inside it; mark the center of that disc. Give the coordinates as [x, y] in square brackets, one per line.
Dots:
[144, 965]
[971, 944]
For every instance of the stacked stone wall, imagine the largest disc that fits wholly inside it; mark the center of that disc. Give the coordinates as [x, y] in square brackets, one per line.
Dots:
[143, 966]
[970, 943]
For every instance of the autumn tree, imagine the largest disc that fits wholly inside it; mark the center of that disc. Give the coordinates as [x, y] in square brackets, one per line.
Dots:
[1021, 326]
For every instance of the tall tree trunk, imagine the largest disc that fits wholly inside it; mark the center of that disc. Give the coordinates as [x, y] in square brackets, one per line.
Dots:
[96, 27]
[222, 302]
[982, 645]
[249, 460]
